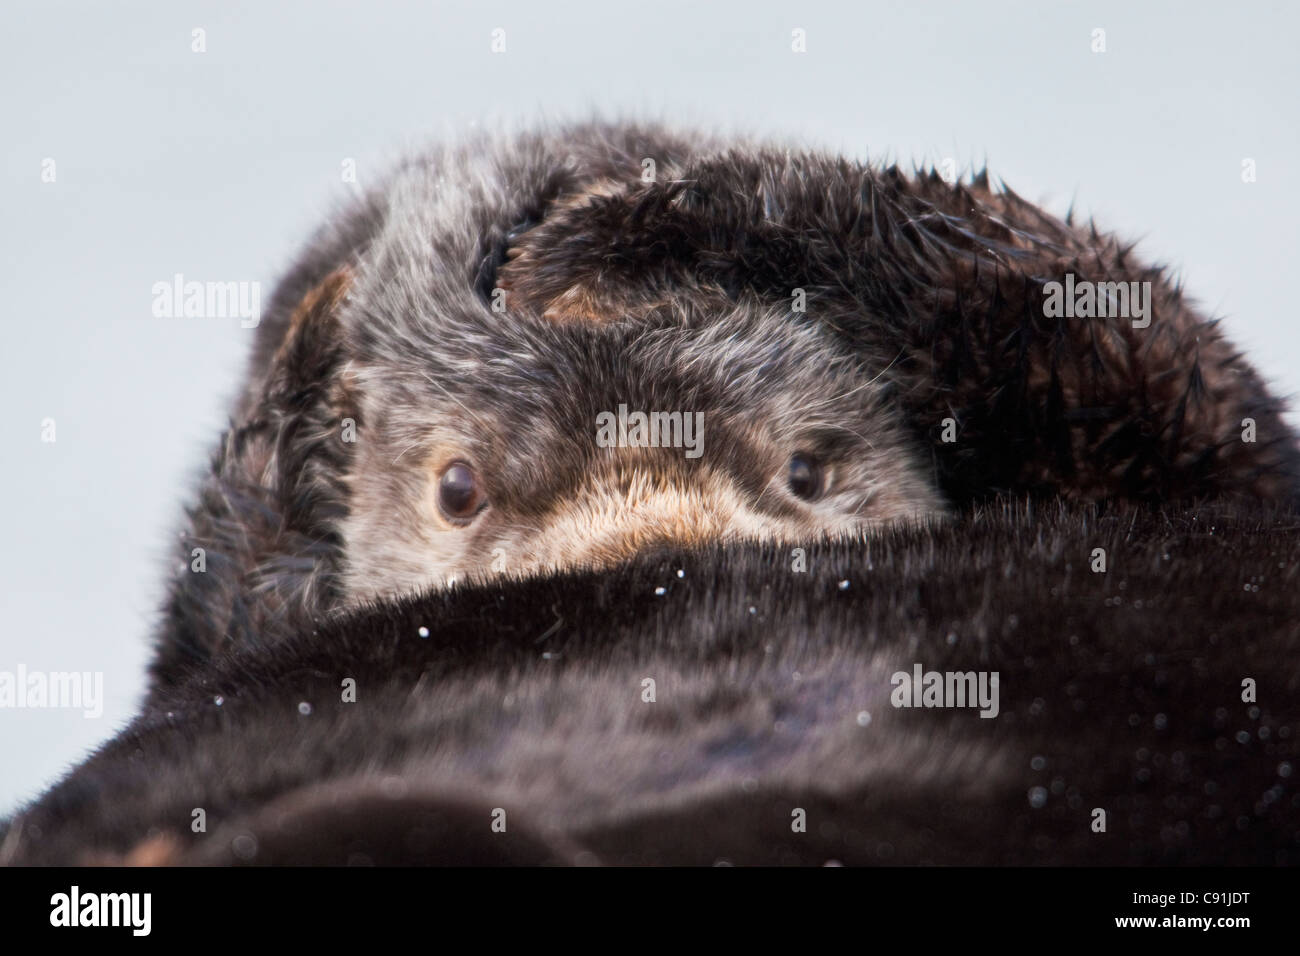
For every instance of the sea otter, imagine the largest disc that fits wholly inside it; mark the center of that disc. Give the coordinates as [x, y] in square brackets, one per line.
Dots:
[425, 400]
[459, 587]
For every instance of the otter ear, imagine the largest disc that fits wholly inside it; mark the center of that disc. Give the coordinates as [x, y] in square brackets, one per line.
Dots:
[313, 340]
[262, 550]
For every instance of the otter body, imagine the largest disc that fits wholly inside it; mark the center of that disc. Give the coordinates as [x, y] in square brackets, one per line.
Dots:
[772, 690]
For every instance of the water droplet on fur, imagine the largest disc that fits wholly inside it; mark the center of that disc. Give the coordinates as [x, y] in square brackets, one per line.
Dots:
[304, 708]
[423, 632]
[660, 592]
[1038, 763]
[218, 700]
[1284, 769]
[244, 846]
[681, 573]
[1037, 797]
[864, 718]
[844, 585]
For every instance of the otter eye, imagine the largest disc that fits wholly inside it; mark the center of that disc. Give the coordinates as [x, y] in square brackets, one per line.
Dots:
[806, 477]
[460, 493]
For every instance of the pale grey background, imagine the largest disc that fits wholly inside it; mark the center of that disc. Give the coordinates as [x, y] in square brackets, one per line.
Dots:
[217, 165]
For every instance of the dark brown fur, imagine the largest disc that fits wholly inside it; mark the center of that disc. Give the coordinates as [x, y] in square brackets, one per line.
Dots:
[1120, 691]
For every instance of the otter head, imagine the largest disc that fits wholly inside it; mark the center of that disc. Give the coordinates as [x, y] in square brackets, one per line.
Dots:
[499, 435]
[509, 443]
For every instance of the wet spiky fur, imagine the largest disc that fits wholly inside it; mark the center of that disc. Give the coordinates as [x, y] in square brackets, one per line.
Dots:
[1120, 691]
[924, 303]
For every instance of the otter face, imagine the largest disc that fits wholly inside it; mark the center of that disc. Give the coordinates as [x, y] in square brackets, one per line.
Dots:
[509, 444]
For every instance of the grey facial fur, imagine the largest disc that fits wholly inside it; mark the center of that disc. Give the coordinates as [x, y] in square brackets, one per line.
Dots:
[518, 399]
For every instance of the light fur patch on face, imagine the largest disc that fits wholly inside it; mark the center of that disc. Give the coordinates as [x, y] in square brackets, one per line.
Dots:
[609, 522]
[613, 516]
